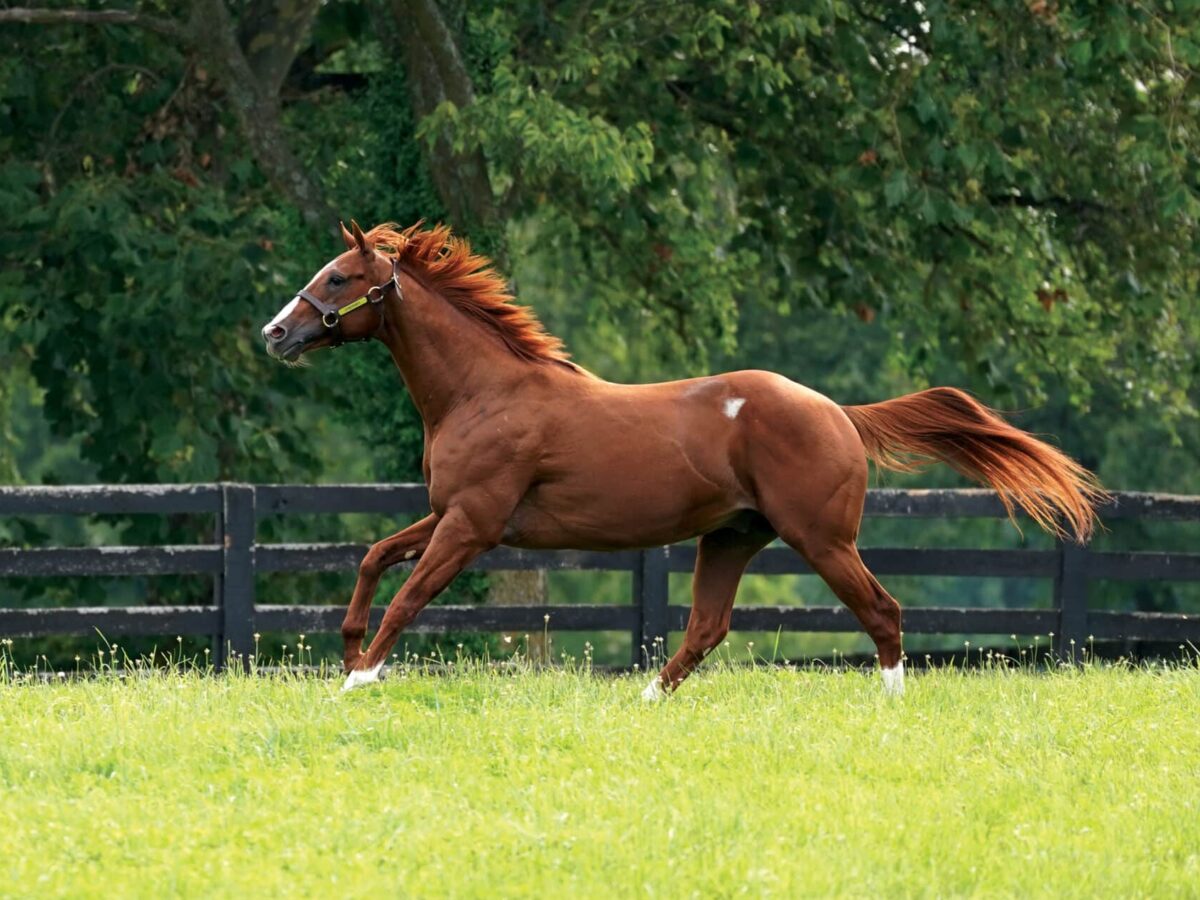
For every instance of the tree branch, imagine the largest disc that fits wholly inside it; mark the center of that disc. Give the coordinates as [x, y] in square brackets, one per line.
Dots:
[711, 113]
[36, 16]
[1064, 203]
[271, 34]
[896, 31]
[257, 110]
[968, 234]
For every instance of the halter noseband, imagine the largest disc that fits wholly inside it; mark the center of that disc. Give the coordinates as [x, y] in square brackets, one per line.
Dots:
[331, 315]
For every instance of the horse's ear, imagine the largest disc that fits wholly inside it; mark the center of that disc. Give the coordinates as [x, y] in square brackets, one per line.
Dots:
[360, 239]
[347, 236]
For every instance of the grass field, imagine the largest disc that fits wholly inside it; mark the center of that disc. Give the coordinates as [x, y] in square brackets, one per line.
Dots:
[560, 783]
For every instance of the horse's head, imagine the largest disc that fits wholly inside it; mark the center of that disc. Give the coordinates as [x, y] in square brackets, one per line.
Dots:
[343, 302]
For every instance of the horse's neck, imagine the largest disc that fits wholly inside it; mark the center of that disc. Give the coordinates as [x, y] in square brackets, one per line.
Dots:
[443, 355]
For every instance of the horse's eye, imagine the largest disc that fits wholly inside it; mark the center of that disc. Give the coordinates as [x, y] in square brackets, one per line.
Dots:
[336, 280]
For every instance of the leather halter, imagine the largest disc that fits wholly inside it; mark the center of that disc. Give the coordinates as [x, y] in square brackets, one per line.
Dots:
[331, 314]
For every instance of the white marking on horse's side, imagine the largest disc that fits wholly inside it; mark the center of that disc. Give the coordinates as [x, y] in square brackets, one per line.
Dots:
[359, 677]
[893, 680]
[284, 313]
[734, 406]
[410, 554]
[654, 692]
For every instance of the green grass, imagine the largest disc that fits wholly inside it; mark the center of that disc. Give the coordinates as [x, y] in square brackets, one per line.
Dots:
[559, 783]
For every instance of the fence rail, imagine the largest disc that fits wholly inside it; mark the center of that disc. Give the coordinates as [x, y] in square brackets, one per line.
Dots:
[235, 557]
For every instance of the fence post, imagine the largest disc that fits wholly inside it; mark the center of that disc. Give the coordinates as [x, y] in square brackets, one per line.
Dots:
[1071, 598]
[218, 643]
[237, 574]
[651, 579]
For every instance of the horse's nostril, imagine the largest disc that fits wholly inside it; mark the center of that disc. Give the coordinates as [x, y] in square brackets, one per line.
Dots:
[274, 332]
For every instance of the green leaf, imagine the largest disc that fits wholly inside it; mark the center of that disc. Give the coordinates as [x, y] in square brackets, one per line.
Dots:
[896, 188]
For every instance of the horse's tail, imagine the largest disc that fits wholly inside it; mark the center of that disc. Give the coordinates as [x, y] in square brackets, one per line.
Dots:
[948, 425]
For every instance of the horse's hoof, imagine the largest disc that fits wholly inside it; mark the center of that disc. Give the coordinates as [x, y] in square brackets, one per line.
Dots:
[893, 680]
[359, 677]
[654, 692]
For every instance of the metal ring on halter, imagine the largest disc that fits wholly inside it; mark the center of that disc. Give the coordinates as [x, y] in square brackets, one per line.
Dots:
[327, 317]
[375, 293]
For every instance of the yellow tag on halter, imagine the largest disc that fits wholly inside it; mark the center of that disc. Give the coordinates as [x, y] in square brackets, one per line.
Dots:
[350, 307]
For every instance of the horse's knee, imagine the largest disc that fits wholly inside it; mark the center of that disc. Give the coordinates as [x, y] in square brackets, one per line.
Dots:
[354, 627]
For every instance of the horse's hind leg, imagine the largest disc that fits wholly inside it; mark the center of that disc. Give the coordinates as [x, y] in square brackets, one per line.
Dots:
[721, 558]
[827, 541]
[878, 612]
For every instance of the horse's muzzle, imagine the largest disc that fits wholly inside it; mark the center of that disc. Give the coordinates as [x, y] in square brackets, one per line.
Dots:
[287, 341]
[285, 347]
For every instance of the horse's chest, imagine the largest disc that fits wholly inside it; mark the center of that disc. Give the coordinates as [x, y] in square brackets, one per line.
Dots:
[492, 459]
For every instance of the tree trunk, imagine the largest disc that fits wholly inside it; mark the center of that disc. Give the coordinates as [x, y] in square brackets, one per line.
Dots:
[271, 35]
[255, 103]
[435, 73]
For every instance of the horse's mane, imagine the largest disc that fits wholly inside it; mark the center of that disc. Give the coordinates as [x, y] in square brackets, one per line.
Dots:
[447, 264]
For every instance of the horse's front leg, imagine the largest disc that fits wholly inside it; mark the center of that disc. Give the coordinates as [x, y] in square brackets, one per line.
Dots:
[456, 541]
[407, 544]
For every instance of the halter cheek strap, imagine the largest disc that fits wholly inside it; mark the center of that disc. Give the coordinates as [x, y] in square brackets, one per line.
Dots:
[331, 315]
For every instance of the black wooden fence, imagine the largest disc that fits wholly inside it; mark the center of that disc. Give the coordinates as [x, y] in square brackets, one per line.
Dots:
[235, 557]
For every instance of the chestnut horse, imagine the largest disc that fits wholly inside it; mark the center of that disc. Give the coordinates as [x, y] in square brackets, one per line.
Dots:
[527, 449]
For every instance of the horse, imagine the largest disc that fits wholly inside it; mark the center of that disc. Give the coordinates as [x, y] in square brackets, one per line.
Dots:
[523, 447]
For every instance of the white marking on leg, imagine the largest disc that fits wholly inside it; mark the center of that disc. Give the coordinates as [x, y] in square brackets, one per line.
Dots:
[734, 406]
[893, 679]
[654, 692]
[359, 677]
[284, 313]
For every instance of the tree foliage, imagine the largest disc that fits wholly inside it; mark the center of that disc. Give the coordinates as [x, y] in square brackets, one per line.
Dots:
[138, 261]
[1010, 187]
[1005, 195]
